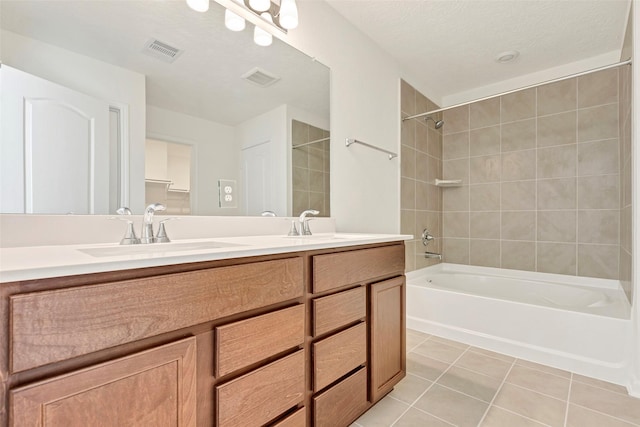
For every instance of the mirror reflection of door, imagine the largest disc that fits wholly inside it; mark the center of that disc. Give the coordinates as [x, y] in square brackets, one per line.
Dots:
[310, 168]
[168, 175]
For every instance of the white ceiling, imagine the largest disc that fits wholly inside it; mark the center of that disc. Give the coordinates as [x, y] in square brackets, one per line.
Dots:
[451, 45]
[204, 81]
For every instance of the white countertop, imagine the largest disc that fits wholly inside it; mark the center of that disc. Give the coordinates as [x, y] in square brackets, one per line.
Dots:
[38, 262]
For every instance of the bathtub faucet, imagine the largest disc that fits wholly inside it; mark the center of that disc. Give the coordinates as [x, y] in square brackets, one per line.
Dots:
[433, 255]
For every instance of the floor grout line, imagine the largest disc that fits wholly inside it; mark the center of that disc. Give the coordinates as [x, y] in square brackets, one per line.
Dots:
[497, 392]
[566, 411]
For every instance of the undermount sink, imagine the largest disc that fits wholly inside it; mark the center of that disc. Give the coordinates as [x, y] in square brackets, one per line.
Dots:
[155, 248]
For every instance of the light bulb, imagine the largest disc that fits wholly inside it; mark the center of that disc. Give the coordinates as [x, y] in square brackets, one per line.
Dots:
[260, 36]
[260, 5]
[288, 14]
[233, 21]
[199, 5]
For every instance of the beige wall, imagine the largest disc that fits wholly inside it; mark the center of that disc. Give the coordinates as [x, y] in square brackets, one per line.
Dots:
[625, 122]
[420, 165]
[310, 172]
[540, 169]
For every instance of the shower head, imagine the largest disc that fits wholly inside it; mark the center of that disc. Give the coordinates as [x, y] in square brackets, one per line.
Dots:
[438, 123]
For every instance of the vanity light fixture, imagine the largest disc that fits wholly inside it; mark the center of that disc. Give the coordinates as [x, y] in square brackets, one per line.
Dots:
[233, 21]
[260, 5]
[260, 36]
[199, 5]
[288, 14]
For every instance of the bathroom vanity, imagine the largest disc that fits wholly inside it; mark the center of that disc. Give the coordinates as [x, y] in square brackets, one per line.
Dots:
[310, 337]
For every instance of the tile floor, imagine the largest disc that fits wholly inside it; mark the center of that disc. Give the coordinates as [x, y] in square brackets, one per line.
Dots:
[452, 384]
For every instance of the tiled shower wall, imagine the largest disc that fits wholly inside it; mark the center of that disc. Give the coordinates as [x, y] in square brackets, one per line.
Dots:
[310, 169]
[541, 179]
[421, 164]
[626, 115]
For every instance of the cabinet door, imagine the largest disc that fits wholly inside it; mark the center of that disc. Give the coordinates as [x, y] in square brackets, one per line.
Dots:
[388, 354]
[155, 388]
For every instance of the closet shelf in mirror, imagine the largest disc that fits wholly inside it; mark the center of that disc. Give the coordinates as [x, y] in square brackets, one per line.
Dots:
[311, 142]
[158, 181]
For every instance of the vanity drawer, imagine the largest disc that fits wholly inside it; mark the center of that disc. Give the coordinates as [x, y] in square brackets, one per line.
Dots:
[248, 341]
[297, 419]
[51, 326]
[345, 268]
[338, 354]
[343, 403]
[262, 395]
[337, 310]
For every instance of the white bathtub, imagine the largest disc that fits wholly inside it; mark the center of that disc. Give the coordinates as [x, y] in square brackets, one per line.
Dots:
[573, 323]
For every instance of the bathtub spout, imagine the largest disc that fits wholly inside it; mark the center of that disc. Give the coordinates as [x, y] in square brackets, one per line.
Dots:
[433, 255]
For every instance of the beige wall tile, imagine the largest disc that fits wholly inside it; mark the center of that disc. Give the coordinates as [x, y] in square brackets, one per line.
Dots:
[456, 169]
[485, 253]
[455, 251]
[455, 145]
[409, 258]
[422, 196]
[484, 225]
[557, 226]
[598, 88]
[617, 405]
[557, 162]
[558, 193]
[598, 123]
[558, 258]
[598, 226]
[519, 165]
[435, 169]
[422, 103]
[520, 135]
[299, 132]
[316, 181]
[484, 197]
[407, 221]
[456, 120]
[557, 97]
[408, 131]
[407, 193]
[557, 129]
[484, 113]
[518, 196]
[484, 141]
[301, 179]
[484, 169]
[517, 106]
[315, 133]
[430, 221]
[422, 167]
[598, 261]
[518, 225]
[598, 157]
[518, 255]
[598, 192]
[407, 99]
[434, 202]
[407, 161]
[300, 200]
[316, 201]
[533, 405]
[316, 159]
[300, 157]
[624, 274]
[456, 199]
[626, 228]
[435, 143]
[455, 224]
[422, 138]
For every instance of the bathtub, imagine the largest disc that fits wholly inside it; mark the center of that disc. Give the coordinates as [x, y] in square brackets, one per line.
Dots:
[572, 323]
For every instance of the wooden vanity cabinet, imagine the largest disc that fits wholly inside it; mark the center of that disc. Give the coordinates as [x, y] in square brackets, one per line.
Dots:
[293, 340]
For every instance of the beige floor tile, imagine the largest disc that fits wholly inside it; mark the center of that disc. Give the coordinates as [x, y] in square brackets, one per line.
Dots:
[424, 366]
[449, 342]
[497, 417]
[451, 406]
[539, 381]
[417, 333]
[543, 368]
[493, 354]
[582, 417]
[416, 418]
[480, 386]
[410, 388]
[532, 405]
[439, 351]
[608, 402]
[383, 413]
[484, 364]
[601, 384]
[415, 339]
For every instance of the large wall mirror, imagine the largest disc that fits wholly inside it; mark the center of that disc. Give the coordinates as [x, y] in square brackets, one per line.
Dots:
[111, 103]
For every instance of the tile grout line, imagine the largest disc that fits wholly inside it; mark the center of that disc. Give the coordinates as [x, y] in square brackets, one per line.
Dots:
[497, 392]
[566, 411]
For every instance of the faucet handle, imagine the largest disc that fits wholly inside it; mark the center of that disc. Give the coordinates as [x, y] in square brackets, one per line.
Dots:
[123, 211]
[161, 236]
[130, 237]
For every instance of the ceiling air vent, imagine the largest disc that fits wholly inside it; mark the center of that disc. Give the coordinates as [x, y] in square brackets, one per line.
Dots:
[161, 50]
[260, 77]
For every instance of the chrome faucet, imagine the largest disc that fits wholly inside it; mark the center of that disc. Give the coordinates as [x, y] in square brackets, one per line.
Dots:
[147, 223]
[304, 221]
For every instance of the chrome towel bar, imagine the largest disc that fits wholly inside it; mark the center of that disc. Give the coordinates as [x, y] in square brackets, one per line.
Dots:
[391, 154]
